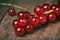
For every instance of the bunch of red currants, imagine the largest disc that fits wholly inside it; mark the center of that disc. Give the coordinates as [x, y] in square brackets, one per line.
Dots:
[27, 23]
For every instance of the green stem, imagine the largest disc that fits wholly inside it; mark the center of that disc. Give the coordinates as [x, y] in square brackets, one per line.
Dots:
[13, 6]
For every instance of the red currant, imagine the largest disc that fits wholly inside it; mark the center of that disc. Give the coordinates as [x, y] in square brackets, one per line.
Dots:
[20, 31]
[54, 6]
[57, 11]
[24, 15]
[27, 15]
[22, 23]
[15, 24]
[34, 21]
[46, 7]
[11, 11]
[42, 19]
[51, 17]
[29, 28]
[21, 15]
[38, 10]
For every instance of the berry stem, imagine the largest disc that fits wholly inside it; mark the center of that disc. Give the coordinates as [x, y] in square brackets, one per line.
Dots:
[47, 12]
[6, 4]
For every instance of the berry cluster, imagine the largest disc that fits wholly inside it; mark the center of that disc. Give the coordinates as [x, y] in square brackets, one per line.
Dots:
[26, 23]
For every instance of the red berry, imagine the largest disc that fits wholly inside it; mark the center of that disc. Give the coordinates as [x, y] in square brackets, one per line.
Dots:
[20, 31]
[42, 19]
[34, 21]
[11, 12]
[38, 10]
[27, 15]
[22, 23]
[46, 7]
[15, 24]
[51, 17]
[24, 15]
[21, 15]
[57, 11]
[54, 6]
[29, 28]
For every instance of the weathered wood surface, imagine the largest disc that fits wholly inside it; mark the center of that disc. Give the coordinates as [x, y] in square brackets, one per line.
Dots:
[50, 31]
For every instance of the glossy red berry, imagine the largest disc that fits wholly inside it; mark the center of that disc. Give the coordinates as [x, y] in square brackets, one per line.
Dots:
[27, 15]
[24, 15]
[46, 7]
[20, 31]
[22, 23]
[57, 11]
[29, 28]
[51, 17]
[21, 15]
[34, 21]
[38, 10]
[42, 19]
[53, 7]
[15, 23]
[11, 12]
